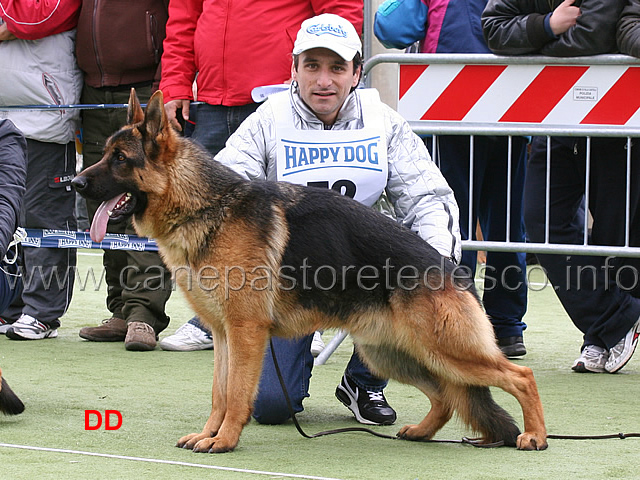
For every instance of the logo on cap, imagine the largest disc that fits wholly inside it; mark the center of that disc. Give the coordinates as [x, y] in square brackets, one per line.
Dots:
[322, 28]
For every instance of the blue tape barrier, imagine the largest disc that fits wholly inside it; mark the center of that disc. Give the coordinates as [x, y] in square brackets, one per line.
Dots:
[44, 238]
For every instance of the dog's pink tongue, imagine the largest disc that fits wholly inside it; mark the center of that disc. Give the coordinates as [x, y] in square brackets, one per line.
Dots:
[101, 218]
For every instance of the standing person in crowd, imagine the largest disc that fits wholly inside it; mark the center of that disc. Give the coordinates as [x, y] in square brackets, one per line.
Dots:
[13, 173]
[454, 27]
[323, 105]
[629, 29]
[596, 292]
[38, 43]
[231, 48]
[120, 48]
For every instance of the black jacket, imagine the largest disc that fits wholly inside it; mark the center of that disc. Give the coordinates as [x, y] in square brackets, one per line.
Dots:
[13, 174]
[513, 27]
[629, 29]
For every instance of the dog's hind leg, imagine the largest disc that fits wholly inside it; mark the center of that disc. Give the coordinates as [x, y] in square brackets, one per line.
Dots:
[218, 394]
[392, 363]
[475, 405]
[519, 382]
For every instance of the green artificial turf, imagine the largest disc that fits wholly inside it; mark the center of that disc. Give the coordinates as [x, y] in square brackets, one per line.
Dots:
[164, 395]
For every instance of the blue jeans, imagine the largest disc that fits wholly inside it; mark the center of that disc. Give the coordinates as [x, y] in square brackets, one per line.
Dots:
[296, 362]
[214, 124]
[505, 288]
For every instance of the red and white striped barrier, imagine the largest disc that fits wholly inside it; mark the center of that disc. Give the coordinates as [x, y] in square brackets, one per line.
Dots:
[522, 93]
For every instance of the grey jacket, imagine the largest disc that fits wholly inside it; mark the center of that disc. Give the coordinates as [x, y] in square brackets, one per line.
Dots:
[421, 198]
[13, 174]
[629, 29]
[42, 72]
[514, 27]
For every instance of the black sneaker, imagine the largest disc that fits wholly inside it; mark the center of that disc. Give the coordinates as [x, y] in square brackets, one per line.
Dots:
[370, 408]
[512, 346]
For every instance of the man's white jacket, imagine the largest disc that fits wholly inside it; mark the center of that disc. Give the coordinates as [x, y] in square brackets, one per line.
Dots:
[420, 196]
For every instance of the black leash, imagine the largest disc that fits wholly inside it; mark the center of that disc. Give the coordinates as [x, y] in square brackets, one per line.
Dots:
[476, 442]
[621, 436]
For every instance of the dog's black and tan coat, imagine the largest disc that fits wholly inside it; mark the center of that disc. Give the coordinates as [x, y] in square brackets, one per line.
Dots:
[257, 259]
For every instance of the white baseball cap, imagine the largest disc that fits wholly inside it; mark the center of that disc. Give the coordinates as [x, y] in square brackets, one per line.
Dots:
[328, 31]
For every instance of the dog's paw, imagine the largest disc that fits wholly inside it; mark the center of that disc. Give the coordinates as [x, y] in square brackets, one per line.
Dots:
[189, 441]
[531, 441]
[214, 445]
[413, 432]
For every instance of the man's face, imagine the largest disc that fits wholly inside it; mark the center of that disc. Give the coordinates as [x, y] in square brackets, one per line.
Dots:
[324, 80]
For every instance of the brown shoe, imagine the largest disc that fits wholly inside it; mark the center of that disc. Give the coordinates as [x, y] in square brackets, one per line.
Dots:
[141, 337]
[113, 329]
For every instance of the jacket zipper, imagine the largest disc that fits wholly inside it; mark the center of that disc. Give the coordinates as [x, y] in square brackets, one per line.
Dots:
[153, 30]
[95, 43]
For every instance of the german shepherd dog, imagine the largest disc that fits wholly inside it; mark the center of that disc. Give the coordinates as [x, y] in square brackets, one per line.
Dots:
[286, 260]
[10, 404]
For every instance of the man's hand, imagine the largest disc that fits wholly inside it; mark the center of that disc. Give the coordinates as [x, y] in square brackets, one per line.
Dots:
[5, 34]
[564, 17]
[171, 107]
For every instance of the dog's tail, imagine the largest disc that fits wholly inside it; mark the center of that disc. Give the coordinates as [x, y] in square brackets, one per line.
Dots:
[10, 404]
[476, 407]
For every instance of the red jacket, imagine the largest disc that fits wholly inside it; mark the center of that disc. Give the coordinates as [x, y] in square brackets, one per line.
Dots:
[236, 45]
[35, 19]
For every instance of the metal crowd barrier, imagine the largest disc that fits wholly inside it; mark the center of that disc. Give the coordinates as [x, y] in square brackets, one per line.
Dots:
[615, 74]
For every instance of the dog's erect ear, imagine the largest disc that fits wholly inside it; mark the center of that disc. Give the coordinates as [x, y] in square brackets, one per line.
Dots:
[134, 112]
[155, 118]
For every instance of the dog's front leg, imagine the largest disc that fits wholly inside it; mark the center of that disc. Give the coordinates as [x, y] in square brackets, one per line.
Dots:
[247, 343]
[218, 394]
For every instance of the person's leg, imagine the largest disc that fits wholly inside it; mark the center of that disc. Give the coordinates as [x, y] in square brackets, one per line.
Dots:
[97, 126]
[147, 288]
[362, 392]
[505, 289]
[138, 283]
[505, 300]
[453, 153]
[10, 288]
[598, 308]
[618, 327]
[295, 362]
[49, 273]
[360, 374]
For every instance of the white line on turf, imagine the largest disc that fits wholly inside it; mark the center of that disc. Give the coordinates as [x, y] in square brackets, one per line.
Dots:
[166, 462]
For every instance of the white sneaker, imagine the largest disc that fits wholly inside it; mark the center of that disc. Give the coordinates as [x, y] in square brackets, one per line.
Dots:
[592, 359]
[29, 328]
[317, 345]
[187, 339]
[622, 352]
